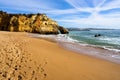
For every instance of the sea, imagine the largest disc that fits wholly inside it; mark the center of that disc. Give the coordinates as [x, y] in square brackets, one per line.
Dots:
[109, 39]
[106, 46]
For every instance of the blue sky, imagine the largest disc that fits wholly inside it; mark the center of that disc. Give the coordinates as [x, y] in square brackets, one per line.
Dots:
[70, 13]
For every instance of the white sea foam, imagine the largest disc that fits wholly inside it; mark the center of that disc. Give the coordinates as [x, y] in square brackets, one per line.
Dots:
[113, 40]
[65, 38]
[116, 56]
[59, 37]
[111, 49]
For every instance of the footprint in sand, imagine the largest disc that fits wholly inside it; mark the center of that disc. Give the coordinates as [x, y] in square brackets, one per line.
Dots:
[15, 61]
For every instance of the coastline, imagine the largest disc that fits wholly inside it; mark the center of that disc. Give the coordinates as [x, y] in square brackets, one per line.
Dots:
[92, 51]
[48, 61]
[68, 43]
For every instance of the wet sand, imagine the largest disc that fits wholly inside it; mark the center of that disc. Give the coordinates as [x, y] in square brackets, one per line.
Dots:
[26, 58]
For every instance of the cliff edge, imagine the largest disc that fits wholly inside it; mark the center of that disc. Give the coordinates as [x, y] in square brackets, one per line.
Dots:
[34, 23]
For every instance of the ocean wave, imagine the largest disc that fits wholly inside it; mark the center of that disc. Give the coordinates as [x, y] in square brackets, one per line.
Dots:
[65, 38]
[113, 40]
[111, 49]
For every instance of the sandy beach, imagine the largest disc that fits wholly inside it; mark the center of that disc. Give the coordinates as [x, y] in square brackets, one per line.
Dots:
[26, 58]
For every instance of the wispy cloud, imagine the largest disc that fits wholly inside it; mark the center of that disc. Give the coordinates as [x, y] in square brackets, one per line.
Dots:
[60, 12]
[28, 5]
[99, 5]
[111, 4]
[70, 11]
[78, 3]
[96, 18]
[99, 22]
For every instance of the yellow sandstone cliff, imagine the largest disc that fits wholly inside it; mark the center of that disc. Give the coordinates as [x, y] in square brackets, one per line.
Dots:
[35, 23]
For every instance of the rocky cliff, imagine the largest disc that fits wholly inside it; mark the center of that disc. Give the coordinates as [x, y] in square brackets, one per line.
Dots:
[35, 23]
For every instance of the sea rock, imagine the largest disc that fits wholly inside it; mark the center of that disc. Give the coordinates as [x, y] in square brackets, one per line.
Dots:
[63, 30]
[35, 23]
[97, 35]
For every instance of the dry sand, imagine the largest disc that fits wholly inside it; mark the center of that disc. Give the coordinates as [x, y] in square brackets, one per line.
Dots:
[26, 58]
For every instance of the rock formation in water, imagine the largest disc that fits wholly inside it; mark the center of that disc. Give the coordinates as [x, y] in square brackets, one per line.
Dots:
[97, 35]
[35, 23]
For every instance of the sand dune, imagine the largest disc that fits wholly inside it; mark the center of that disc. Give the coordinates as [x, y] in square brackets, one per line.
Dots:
[26, 58]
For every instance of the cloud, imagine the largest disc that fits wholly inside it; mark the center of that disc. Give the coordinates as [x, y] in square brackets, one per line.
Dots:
[102, 22]
[111, 4]
[78, 3]
[99, 5]
[88, 12]
[60, 12]
[96, 18]
[22, 5]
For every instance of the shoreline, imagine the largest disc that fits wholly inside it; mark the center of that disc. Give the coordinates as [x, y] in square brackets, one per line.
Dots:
[88, 50]
[45, 60]
[92, 51]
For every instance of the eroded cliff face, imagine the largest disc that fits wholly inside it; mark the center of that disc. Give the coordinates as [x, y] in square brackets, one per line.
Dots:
[4, 20]
[35, 23]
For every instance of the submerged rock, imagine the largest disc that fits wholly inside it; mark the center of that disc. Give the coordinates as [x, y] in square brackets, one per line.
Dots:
[35, 23]
[97, 35]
